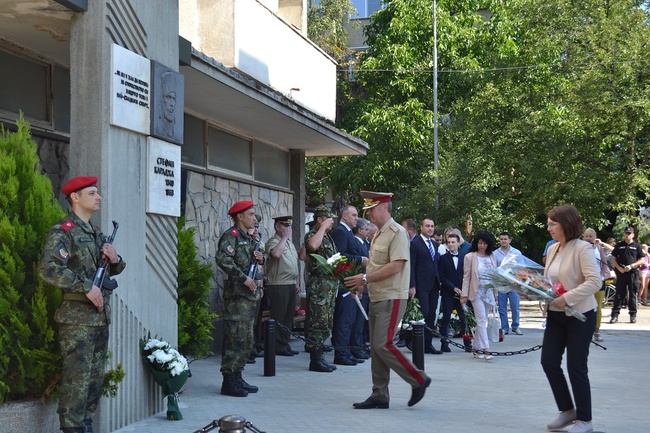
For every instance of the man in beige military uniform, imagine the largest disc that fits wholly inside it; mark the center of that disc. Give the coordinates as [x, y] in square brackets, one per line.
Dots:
[387, 277]
[282, 281]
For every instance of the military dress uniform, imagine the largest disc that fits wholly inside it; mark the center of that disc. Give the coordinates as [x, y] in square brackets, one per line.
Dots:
[234, 255]
[69, 261]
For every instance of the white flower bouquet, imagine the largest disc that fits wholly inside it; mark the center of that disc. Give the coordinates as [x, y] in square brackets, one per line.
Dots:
[170, 370]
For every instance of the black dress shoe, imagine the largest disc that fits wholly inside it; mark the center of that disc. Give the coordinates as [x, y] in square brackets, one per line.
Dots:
[251, 360]
[259, 354]
[358, 360]
[295, 352]
[371, 403]
[401, 343]
[360, 354]
[345, 361]
[418, 393]
[285, 353]
[446, 349]
[432, 350]
[633, 318]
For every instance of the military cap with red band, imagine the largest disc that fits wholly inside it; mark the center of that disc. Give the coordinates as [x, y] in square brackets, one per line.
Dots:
[240, 207]
[78, 183]
[372, 198]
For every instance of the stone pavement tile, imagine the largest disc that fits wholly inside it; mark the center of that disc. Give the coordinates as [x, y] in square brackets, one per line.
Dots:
[507, 394]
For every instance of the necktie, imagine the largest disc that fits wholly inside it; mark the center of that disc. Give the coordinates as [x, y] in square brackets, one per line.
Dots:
[454, 255]
[433, 254]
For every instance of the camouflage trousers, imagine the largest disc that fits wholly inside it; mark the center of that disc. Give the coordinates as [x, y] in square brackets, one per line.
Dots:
[320, 315]
[238, 337]
[83, 349]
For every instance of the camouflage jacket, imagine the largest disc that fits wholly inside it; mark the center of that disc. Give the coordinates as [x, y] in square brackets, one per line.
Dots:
[69, 261]
[234, 255]
[319, 278]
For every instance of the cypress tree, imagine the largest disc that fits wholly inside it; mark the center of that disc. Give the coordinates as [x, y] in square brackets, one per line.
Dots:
[195, 321]
[29, 355]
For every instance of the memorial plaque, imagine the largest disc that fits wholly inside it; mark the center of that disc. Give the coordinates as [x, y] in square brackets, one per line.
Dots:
[130, 90]
[163, 177]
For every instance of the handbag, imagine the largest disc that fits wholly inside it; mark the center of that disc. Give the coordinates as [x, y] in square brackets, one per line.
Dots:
[493, 325]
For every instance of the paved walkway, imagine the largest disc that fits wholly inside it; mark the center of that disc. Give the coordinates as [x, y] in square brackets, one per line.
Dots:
[507, 394]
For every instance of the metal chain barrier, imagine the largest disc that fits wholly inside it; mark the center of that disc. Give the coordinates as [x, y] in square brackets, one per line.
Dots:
[230, 424]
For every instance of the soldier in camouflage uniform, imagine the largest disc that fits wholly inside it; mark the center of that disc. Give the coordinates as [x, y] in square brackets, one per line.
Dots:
[235, 251]
[72, 251]
[321, 288]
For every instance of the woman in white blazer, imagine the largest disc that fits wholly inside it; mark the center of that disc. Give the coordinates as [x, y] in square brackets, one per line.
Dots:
[572, 268]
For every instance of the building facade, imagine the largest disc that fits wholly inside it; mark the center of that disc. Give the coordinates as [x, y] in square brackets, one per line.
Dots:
[181, 107]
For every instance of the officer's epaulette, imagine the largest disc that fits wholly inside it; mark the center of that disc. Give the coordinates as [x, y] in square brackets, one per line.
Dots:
[67, 225]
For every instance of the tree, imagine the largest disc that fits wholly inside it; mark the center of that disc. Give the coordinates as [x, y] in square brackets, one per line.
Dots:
[29, 356]
[568, 125]
[548, 103]
[195, 321]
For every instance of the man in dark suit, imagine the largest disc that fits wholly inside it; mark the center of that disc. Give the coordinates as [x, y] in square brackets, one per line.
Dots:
[425, 283]
[345, 310]
[451, 282]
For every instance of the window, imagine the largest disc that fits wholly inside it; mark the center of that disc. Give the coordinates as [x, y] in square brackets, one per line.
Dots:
[365, 8]
[193, 148]
[39, 89]
[229, 151]
[24, 86]
[233, 154]
[271, 165]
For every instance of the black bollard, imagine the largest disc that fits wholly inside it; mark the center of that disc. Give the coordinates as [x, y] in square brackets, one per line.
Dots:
[269, 348]
[418, 345]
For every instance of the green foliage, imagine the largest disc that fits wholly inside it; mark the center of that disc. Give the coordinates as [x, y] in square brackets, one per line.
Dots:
[547, 102]
[325, 26]
[29, 355]
[112, 378]
[195, 321]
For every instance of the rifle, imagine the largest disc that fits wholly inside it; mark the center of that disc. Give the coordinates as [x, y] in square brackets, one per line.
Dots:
[252, 268]
[102, 264]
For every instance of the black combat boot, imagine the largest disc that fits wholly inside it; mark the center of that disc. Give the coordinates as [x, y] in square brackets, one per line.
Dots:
[318, 363]
[247, 386]
[231, 386]
[88, 425]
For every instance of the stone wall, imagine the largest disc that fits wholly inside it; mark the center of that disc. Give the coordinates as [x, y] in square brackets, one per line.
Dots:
[207, 200]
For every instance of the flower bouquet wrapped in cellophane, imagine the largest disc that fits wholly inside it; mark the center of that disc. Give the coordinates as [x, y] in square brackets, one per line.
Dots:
[339, 267]
[526, 277]
[170, 370]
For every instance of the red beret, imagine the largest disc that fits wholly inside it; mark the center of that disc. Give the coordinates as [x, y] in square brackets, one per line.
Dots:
[77, 183]
[240, 207]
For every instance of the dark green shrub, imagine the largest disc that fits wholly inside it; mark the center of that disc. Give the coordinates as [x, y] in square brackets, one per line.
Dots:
[195, 321]
[29, 354]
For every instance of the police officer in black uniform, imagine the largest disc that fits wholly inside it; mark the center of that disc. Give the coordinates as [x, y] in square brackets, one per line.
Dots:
[627, 256]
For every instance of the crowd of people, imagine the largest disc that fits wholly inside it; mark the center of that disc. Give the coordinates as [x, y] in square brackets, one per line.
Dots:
[362, 312]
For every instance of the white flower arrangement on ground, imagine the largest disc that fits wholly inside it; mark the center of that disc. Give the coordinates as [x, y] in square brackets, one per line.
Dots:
[164, 358]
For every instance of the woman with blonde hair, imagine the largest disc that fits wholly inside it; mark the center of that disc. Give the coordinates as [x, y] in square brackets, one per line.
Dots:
[601, 259]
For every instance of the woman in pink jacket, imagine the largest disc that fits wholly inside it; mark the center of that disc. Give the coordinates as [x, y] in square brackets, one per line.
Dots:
[477, 262]
[572, 268]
